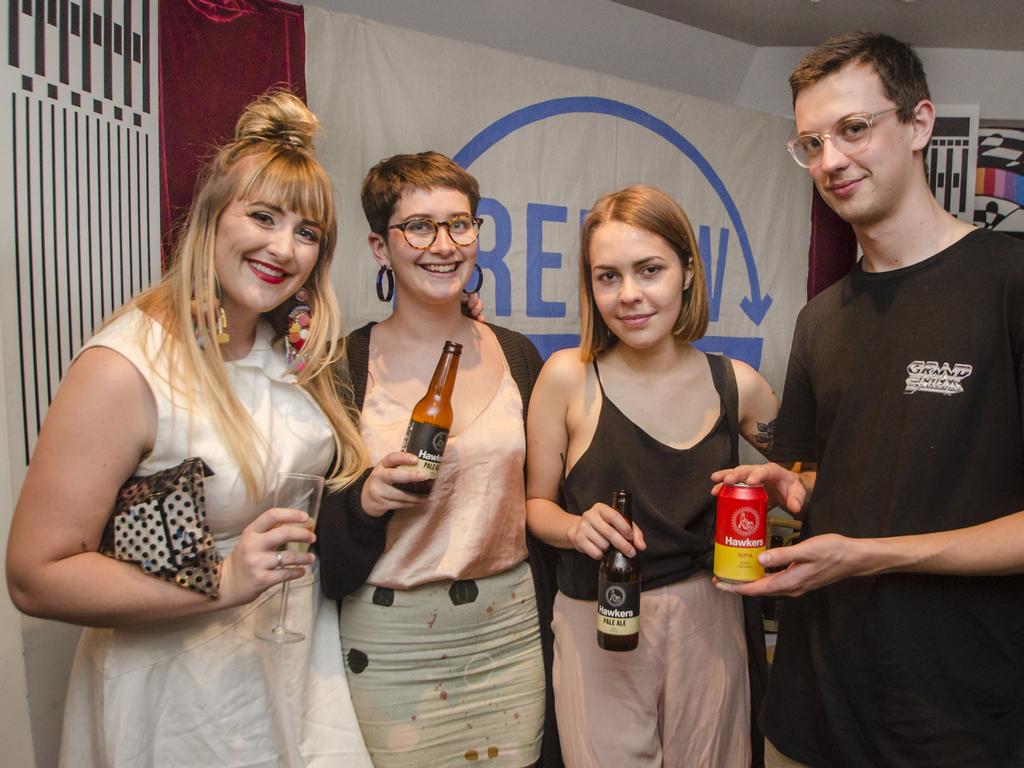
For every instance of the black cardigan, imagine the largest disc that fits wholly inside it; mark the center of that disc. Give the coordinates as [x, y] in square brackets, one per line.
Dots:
[355, 540]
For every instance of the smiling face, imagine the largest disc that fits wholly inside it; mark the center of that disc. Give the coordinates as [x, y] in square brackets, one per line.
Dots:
[868, 186]
[435, 274]
[638, 283]
[263, 255]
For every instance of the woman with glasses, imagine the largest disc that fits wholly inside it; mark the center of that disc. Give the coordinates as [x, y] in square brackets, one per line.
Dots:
[439, 621]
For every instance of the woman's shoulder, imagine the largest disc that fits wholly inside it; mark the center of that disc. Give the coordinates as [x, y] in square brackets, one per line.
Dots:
[114, 369]
[756, 395]
[565, 367]
[118, 357]
[743, 371]
[133, 346]
[747, 377]
[132, 333]
[128, 323]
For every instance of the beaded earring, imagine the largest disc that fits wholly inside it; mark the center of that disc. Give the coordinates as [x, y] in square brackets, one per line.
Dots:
[297, 332]
[220, 329]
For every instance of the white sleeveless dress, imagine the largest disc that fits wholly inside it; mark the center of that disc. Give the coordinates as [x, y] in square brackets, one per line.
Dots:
[204, 690]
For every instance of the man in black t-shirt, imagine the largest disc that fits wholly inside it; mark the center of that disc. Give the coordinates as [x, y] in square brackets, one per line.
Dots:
[902, 426]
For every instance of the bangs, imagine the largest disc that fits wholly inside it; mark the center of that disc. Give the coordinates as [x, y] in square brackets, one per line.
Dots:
[291, 181]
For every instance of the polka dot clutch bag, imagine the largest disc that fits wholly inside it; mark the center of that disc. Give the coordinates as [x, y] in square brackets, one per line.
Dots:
[159, 523]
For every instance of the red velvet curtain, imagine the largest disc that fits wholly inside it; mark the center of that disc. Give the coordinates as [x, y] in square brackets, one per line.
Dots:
[833, 248]
[215, 56]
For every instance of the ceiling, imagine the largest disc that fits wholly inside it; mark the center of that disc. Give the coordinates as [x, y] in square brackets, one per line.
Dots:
[982, 24]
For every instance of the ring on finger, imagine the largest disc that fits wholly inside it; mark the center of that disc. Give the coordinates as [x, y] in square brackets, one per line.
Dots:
[280, 561]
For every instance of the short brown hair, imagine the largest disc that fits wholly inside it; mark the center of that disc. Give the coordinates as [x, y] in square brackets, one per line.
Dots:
[389, 179]
[653, 210]
[896, 64]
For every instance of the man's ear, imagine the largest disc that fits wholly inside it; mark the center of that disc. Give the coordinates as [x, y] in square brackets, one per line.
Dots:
[923, 123]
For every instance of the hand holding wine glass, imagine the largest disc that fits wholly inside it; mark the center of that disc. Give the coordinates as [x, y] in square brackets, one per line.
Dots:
[294, 491]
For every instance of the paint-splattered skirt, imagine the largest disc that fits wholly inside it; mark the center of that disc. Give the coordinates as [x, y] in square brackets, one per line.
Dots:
[447, 674]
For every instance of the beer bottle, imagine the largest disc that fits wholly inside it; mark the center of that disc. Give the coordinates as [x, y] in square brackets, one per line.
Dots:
[618, 591]
[431, 419]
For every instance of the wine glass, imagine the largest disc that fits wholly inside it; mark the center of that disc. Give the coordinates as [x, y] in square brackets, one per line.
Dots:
[296, 491]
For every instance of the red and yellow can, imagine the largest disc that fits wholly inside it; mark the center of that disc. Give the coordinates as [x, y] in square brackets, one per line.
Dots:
[740, 532]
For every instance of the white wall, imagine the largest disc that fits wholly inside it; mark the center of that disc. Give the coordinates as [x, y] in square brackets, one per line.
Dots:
[766, 84]
[15, 730]
[607, 37]
[990, 79]
[598, 35]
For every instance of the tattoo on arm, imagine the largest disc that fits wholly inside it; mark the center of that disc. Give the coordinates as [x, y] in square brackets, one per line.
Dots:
[764, 438]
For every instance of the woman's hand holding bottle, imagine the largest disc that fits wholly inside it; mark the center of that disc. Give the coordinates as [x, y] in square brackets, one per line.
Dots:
[380, 492]
[601, 527]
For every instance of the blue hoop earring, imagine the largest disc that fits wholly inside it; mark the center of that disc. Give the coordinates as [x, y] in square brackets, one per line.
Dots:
[479, 280]
[380, 283]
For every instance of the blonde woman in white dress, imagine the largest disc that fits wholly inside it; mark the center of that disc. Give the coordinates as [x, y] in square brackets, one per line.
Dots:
[165, 676]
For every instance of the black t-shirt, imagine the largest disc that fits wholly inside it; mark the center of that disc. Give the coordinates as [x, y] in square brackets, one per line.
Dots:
[907, 388]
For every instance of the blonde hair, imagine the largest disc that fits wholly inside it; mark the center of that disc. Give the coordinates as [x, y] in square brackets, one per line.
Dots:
[270, 159]
[653, 210]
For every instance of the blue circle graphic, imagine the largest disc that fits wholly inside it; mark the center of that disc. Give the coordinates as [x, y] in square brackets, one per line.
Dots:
[755, 306]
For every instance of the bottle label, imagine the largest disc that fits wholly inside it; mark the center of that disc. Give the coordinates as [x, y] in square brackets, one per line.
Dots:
[426, 442]
[618, 607]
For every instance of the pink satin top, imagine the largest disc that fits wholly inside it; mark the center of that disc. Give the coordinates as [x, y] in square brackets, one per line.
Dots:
[473, 524]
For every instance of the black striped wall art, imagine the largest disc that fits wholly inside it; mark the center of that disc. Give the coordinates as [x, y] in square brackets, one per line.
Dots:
[79, 168]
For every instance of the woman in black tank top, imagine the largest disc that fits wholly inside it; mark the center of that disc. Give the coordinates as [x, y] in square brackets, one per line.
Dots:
[638, 407]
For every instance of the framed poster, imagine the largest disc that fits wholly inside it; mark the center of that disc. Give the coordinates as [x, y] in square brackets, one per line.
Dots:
[999, 181]
[951, 159]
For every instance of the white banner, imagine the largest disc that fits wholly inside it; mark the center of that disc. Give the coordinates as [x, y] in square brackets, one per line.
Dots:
[545, 140]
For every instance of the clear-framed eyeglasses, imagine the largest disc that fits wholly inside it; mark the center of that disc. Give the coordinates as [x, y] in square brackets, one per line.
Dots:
[850, 135]
[421, 233]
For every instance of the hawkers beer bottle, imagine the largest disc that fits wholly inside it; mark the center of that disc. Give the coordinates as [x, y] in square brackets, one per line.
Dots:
[431, 419]
[618, 591]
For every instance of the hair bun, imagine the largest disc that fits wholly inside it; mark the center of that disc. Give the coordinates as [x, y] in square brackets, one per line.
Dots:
[280, 117]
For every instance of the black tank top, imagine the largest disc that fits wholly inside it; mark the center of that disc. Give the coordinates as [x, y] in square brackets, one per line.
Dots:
[671, 488]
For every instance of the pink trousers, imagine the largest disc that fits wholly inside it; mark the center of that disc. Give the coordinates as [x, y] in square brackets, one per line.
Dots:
[680, 700]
